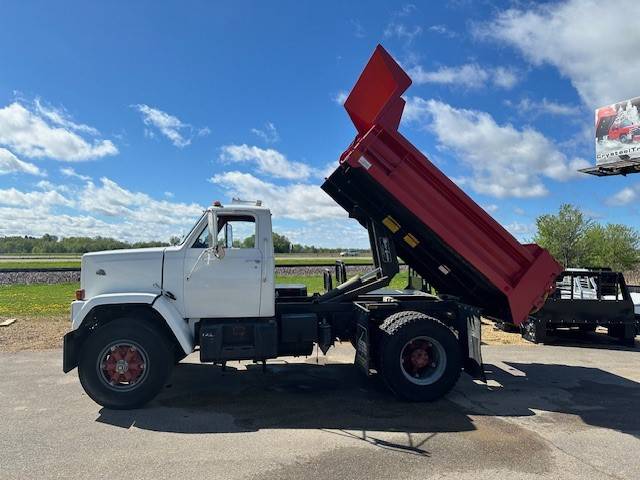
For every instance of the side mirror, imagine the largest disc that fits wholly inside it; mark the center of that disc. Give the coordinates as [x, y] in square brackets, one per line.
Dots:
[228, 235]
[213, 229]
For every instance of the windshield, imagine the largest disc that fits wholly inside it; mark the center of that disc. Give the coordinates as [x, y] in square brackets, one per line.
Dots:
[195, 224]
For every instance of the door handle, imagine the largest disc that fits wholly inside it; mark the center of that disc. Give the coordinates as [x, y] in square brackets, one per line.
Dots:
[252, 261]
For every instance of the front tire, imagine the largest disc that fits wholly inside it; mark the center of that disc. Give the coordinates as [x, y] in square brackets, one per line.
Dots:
[124, 364]
[420, 358]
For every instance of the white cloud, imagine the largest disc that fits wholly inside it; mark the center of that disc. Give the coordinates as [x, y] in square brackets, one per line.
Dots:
[402, 31]
[594, 44]
[442, 30]
[16, 198]
[519, 211]
[505, 77]
[106, 209]
[268, 161]
[334, 233]
[46, 185]
[623, 197]
[269, 133]
[203, 132]
[59, 116]
[27, 133]
[9, 163]
[177, 131]
[298, 201]
[504, 161]
[340, 97]
[522, 231]
[491, 208]
[470, 75]
[406, 10]
[529, 107]
[112, 200]
[70, 172]
[169, 194]
[357, 28]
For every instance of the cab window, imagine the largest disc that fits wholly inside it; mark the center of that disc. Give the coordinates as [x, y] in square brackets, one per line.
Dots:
[234, 232]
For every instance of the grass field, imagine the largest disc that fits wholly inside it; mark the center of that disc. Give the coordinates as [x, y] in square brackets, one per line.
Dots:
[36, 301]
[41, 301]
[37, 264]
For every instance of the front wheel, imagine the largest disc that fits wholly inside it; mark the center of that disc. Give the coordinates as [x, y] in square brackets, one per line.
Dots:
[420, 358]
[124, 364]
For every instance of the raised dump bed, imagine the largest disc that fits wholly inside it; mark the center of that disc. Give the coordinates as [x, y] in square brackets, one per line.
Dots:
[437, 228]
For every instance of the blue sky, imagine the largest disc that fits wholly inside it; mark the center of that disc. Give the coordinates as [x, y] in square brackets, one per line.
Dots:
[125, 120]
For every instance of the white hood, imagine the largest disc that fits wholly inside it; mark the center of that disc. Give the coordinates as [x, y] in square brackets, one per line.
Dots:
[122, 271]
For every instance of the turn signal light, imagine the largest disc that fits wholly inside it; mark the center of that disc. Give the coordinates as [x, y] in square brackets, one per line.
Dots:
[80, 294]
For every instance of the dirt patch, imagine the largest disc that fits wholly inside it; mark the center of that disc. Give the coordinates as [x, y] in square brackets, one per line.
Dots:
[33, 334]
[491, 335]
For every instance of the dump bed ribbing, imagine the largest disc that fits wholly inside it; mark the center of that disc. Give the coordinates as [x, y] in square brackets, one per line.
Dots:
[437, 229]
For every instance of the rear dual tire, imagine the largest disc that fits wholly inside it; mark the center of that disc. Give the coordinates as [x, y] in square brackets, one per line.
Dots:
[124, 364]
[419, 357]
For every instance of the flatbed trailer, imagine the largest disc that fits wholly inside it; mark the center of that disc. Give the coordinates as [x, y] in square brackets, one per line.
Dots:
[585, 299]
[139, 311]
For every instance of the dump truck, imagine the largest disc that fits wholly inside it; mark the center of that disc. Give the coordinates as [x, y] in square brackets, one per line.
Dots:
[138, 312]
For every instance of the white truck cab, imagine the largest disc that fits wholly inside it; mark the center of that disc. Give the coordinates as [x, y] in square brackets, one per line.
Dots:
[231, 275]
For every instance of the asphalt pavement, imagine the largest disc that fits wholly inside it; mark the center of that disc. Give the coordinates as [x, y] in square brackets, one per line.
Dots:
[546, 412]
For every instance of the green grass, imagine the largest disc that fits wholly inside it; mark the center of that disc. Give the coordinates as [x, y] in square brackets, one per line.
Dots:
[40, 301]
[36, 300]
[37, 264]
[315, 283]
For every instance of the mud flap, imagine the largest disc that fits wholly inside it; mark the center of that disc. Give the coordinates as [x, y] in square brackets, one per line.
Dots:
[470, 341]
[69, 353]
[362, 346]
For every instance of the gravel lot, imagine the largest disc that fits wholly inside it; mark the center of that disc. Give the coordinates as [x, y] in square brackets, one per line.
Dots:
[561, 413]
[13, 278]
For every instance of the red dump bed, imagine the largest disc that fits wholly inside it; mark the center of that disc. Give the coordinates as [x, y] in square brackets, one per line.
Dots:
[438, 229]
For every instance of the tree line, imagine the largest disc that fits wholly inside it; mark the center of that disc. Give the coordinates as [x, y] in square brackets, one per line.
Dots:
[52, 244]
[578, 241]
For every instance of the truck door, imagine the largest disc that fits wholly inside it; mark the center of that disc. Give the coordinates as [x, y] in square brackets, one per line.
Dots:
[228, 286]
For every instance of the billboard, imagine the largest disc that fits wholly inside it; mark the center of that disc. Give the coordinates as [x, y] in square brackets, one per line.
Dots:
[618, 133]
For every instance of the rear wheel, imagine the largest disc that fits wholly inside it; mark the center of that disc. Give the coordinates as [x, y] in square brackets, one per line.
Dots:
[124, 364]
[419, 356]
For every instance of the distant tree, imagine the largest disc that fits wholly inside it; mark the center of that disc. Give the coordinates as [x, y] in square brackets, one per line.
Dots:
[564, 235]
[175, 240]
[281, 244]
[614, 246]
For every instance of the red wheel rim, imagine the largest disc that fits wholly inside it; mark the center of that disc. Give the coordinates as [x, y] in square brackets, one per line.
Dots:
[122, 365]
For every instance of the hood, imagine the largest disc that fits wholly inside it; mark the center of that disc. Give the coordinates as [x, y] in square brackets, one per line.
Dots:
[122, 271]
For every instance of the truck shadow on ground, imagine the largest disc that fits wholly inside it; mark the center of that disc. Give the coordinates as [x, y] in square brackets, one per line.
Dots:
[204, 399]
[592, 396]
[599, 340]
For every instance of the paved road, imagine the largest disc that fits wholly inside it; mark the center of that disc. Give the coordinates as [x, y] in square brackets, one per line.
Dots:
[556, 412]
